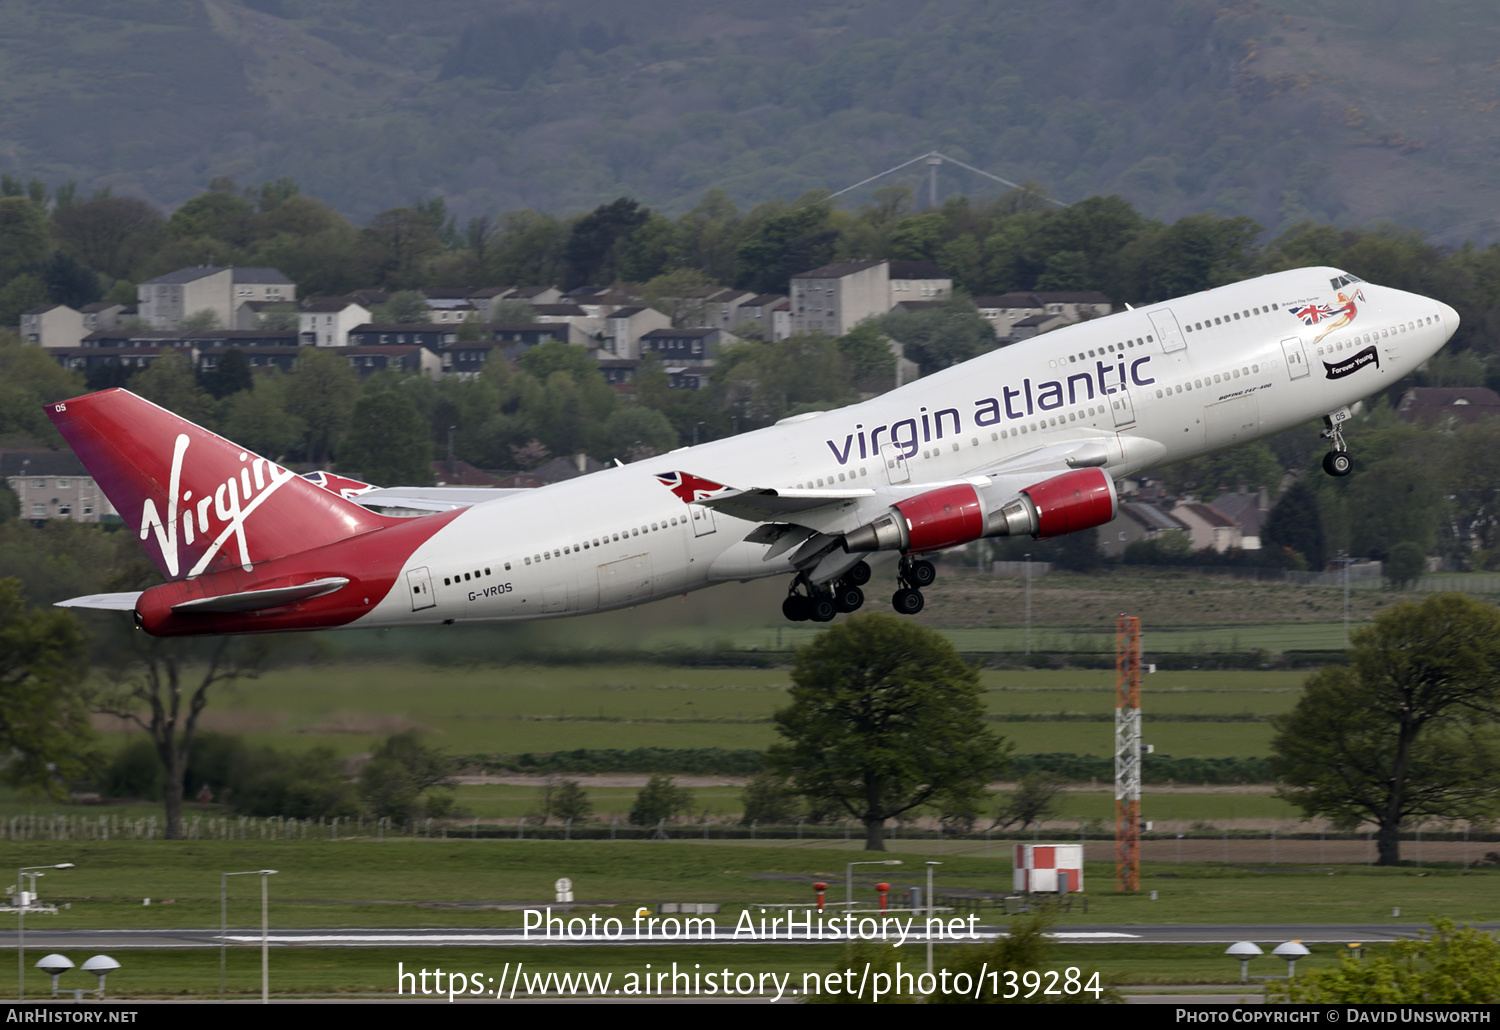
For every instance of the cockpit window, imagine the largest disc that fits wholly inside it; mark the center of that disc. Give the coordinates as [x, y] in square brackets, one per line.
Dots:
[1339, 282]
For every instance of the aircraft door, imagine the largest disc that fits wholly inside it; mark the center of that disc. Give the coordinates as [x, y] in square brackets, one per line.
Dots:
[1167, 330]
[1124, 410]
[419, 582]
[896, 468]
[625, 581]
[703, 522]
[1296, 358]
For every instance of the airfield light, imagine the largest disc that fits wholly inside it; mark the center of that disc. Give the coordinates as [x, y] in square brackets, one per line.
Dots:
[54, 965]
[1244, 951]
[1291, 951]
[101, 966]
[849, 878]
[23, 900]
[265, 931]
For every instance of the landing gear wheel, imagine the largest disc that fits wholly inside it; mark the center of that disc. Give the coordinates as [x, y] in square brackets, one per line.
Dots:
[858, 576]
[796, 608]
[1338, 463]
[907, 601]
[821, 608]
[848, 598]
[922, 573]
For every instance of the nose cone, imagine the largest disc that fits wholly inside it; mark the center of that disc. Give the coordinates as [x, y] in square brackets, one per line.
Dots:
[1450, 319]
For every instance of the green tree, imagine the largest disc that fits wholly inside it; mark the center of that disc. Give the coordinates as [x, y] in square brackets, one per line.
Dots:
[769, 799]
[787, 243]
[1296, 522]
[941, 336]
[258, 419]
[1405, 564]
[21, 294]
[389, 442]
[171, 382]
[1407, 729]
[23, 236]
[571, 801]
[634, 433]
[1450, 965]
[405, 307]
[321, 392]
[231, 376]
[680, 294]
[400, 772]
[599, 239]
[885, 717]
[1034, 800]
[44, 714]
[660, 799]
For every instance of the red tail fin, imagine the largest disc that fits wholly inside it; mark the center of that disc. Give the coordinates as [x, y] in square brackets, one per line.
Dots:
[199, 502]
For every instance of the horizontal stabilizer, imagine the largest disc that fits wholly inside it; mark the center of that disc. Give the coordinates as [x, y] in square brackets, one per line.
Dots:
[103, 602]
[255, 600]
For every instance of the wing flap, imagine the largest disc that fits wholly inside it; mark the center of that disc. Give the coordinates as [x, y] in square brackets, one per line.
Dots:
[764, 504]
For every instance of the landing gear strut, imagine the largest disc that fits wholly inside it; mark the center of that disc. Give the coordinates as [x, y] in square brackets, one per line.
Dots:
[806, 602]
[1337, 461]
[912, 575]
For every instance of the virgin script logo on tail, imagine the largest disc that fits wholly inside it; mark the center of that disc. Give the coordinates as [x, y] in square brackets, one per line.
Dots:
[230, 504]
[689, 487]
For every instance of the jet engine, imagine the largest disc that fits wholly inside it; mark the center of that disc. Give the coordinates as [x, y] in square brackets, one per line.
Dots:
[953, 515]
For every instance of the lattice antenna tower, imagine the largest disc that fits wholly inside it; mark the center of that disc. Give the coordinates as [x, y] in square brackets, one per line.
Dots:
[1128, 753]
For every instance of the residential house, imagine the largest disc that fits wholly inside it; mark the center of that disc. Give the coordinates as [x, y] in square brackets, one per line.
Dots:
[837, 297]
[166, 300]
[282, 357]
[1006, 309]
[453, 472]
[450, 306]
[1438, 405]
[103, 314]
[1135, 523]
[624, 327]
[534, 294]
[52, 325]
[1249, 511]
[327, 321]
[918, 280]
[1035, 325]
[618, 371]
[101, 364]
[591, 325]
[682, 346]
[55, 485]
[771, 313]
[1208, 526]
[399, 334]
[411, 359]
[721, 310]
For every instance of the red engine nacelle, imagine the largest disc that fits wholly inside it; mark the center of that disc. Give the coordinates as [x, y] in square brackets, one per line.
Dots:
[953, 515]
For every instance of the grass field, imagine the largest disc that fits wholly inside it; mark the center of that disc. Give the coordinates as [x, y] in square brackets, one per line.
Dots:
[373, 971]
[509, 709]
[416, 882]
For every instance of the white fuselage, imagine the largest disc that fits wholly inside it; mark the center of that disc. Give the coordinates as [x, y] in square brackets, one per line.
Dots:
[1151, 386]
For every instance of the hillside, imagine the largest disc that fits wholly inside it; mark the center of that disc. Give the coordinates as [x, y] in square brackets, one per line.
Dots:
[1284, 110]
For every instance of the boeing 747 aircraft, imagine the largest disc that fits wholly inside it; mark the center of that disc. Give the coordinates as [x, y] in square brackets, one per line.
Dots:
[1029, 440]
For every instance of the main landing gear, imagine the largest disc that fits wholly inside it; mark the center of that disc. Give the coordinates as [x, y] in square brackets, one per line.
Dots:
[1337, 461]
[912, 575]
[806, 602]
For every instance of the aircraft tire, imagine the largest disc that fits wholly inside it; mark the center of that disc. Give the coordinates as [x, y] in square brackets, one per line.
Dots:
[1338, 463]
[907, 601]
[848, 598]
[922, 574]
[858, 576]
[796, 608]
[822, 609]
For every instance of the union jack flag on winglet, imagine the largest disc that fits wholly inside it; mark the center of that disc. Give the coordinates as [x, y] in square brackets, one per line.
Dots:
[690, 487]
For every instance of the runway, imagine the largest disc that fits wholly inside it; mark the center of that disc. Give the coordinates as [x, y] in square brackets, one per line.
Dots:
[104, 940]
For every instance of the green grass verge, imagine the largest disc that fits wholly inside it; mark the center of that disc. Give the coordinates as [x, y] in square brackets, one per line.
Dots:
[374, 971]
[412, 883]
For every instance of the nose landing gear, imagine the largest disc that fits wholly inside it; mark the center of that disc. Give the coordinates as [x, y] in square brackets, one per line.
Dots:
[1337, 461]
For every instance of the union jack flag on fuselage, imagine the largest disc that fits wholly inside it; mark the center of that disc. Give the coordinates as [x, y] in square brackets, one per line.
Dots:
[689, 487]
[1312, 314]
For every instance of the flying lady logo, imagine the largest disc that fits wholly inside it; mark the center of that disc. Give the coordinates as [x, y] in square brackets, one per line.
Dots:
[1330, 316]
[1352, 364]
[689, 487]
[231, 503]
